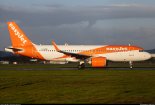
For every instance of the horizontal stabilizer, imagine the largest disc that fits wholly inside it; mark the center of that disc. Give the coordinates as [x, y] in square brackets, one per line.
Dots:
[14, 49]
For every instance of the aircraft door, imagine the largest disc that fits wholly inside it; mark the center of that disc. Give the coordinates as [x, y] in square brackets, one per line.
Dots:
[34, 55]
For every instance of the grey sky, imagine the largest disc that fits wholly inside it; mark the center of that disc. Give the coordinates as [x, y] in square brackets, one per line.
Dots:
[81, 21]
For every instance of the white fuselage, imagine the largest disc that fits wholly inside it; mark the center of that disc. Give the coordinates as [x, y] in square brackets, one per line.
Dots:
[49, 53]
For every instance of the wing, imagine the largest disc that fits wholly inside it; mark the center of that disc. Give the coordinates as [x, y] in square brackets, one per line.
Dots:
[78, 56]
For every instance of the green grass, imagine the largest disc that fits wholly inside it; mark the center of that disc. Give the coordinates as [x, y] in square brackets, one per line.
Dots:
[77, 86]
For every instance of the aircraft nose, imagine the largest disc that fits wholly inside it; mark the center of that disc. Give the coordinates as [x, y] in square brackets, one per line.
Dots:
[147, 55]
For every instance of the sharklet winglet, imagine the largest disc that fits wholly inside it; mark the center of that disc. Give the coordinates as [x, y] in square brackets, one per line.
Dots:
[55, 46]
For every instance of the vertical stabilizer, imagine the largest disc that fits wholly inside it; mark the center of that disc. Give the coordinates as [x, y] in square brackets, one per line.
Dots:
[17, 36]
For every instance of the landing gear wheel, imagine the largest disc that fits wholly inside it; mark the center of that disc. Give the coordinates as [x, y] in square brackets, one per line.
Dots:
[82, 66]
[130, 63]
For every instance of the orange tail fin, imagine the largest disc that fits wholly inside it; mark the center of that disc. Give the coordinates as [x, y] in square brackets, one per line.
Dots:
[18, 38]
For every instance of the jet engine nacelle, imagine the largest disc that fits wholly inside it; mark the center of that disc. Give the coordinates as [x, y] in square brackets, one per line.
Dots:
[98, 62]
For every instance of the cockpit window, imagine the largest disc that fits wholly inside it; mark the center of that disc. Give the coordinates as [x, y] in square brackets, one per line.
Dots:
[141, 50]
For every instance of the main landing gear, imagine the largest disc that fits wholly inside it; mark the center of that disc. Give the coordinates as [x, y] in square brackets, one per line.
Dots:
[81, 65]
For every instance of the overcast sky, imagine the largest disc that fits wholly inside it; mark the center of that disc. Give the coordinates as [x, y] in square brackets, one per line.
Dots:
[97, 22]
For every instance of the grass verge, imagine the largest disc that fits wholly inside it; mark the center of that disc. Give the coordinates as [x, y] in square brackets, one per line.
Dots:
[77, 86]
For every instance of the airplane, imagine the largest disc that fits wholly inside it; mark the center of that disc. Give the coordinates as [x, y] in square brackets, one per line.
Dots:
[96, 55]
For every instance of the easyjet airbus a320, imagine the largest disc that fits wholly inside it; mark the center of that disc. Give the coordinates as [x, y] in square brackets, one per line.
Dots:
[96, 55]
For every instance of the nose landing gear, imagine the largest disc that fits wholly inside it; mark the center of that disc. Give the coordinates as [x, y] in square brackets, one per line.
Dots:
[130, 64]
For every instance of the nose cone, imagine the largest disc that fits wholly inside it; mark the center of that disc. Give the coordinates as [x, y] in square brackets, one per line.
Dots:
[146, 55]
